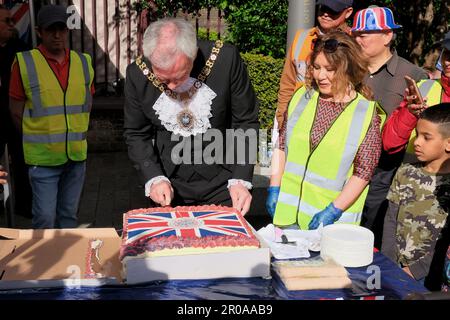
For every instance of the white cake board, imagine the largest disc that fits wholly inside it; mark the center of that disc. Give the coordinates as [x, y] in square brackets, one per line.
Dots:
[234, 264]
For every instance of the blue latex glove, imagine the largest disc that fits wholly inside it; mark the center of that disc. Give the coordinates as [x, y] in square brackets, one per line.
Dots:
[272, 198]
[327, 216]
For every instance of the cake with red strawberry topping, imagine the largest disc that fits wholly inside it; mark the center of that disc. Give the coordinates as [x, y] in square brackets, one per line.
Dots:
[156, 232]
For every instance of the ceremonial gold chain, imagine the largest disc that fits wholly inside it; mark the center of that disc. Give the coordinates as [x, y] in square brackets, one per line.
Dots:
[197, 84]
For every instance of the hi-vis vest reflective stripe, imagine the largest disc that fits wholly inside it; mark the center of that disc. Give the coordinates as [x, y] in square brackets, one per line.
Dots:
[55, 122]
[313, 179]
[432, 89]
[301, 48]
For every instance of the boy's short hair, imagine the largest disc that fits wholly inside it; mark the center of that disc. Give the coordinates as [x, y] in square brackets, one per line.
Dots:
[440, 115]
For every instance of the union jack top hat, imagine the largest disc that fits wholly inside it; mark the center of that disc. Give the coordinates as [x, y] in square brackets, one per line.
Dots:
[374, 19]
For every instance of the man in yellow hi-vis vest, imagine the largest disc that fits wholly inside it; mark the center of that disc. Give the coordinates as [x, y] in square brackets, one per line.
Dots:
[50, 102]
[398, 133]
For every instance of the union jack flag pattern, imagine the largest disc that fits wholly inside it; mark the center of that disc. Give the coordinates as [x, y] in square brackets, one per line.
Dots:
[20, 13]
[156, 229]
[374, 19]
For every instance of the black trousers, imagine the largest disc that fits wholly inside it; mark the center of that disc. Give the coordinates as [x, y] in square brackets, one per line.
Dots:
[376, 204]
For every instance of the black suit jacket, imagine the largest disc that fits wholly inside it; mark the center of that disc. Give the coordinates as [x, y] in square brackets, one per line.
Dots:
[234, 107]
[8, 132]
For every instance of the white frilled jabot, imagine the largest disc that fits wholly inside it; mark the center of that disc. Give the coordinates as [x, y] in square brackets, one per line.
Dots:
[167, 109]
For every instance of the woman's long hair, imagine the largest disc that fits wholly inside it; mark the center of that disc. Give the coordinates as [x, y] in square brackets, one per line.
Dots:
[347, 60]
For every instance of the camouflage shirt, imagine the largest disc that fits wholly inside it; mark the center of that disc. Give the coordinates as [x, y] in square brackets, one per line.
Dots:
[422, 200]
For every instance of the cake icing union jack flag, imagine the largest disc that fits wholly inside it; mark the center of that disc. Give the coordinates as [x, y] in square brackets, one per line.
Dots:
[185, 222]
[374, 19]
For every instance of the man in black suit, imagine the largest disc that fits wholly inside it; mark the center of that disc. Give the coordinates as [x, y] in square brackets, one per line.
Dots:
[183, 98]
[9, 46]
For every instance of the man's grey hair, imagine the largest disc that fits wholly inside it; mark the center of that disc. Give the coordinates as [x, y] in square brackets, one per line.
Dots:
[165, 39]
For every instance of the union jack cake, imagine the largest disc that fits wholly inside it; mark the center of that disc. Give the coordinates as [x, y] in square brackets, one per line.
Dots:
[184, 230]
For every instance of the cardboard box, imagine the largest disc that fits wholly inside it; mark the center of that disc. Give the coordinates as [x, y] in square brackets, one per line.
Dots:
[59, 257]
[234, 264]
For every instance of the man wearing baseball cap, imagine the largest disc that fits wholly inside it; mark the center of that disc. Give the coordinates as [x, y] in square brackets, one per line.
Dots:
[332, 15]
[50, 102]
[373, 29]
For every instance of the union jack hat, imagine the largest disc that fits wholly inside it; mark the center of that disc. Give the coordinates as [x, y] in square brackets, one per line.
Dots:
[374, 19]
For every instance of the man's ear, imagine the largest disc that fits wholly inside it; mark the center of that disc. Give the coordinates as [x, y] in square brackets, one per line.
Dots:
[388, 37]
[38, 32]
[348, 12]
[447, 145]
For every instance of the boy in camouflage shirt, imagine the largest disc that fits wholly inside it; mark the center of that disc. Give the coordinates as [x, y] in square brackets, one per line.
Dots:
[419, 197]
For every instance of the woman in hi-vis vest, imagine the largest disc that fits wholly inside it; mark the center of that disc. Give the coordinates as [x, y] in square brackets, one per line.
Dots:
[331, 141]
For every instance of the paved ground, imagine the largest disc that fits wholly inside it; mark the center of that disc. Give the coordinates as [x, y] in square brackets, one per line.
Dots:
[112, 188]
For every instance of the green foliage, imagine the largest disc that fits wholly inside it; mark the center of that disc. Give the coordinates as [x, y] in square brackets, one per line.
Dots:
[258, 26]
[202, 34]
[253, 26]
[164, 8]
[261, 26]
[265, 73]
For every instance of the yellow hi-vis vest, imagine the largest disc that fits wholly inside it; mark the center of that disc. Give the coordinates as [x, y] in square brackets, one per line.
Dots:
[432, 89]
[55, 122]
[314, 178]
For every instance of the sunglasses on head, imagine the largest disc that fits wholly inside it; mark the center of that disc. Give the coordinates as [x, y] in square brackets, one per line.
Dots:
[330, 45]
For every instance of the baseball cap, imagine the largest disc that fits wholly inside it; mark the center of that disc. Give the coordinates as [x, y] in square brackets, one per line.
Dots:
[336, 5]
[51, 14]
[445, 43]
[374, 19]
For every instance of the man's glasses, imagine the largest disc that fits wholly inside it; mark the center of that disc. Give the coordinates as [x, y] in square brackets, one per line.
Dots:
[8, 20]
[329, 46]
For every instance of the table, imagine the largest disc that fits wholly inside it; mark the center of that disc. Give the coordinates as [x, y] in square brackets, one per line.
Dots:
[395, 284]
